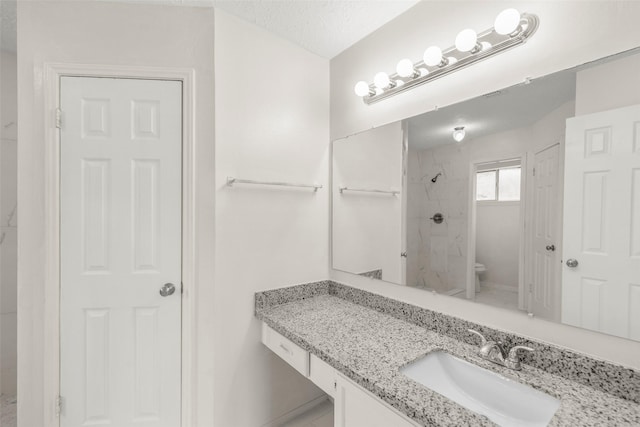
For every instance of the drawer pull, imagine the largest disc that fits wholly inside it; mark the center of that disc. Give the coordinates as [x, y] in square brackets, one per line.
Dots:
[282, 346]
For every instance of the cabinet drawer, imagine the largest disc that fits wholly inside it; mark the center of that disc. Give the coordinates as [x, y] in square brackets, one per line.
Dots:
[322, 375]
[286, 349]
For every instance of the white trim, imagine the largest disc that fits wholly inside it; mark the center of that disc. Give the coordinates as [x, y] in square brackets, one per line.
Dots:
[52, 74]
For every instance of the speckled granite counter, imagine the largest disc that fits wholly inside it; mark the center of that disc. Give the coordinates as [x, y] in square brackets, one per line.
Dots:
[369, 346]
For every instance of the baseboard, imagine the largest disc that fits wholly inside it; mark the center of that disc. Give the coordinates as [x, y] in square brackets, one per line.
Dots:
[497, 287]
[296, 412]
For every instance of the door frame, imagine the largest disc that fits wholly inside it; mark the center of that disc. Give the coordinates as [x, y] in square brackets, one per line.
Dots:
[471, 225]
[52, 74]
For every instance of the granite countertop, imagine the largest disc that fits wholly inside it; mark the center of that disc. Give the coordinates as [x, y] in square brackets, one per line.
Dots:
[370, 347]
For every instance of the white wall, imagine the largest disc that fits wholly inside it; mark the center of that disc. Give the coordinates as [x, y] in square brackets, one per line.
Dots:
[8, 222]
[367, 226]
[570, 33]
[105, 33]
[498, 243]
[272, 123]
[610, 85]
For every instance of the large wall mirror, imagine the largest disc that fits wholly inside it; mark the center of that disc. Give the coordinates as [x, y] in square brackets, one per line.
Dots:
[527, 198]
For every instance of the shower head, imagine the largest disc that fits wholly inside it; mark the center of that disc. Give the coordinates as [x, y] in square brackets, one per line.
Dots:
[435, 178]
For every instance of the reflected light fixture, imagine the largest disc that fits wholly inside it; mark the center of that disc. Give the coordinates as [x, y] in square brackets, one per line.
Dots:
[459, 133]
[510, 29]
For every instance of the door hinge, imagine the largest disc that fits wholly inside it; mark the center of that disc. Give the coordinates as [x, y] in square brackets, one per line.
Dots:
[58, 405]
[534, 171]
[58, 118]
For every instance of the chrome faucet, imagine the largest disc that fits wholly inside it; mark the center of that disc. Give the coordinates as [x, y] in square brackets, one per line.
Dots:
[494, 352]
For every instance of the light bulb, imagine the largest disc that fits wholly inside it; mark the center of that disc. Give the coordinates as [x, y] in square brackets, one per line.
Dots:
[362, 88]
[381, 80]
[466, 40]
[507, 21]
[432, 56]
[405, 68]
[458, 133]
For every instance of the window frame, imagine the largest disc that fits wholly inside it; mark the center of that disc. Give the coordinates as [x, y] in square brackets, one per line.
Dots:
[497, 200]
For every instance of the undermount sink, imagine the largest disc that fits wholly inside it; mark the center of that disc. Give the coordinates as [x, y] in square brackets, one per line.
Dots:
[503, 401]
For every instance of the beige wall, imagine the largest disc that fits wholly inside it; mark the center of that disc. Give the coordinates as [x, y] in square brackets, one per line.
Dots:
[119, 34]
[570, 33]
[272, 123]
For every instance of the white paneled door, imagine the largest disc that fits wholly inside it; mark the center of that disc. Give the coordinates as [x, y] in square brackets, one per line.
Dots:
[120, 210]
[544, 293]
[601, 255]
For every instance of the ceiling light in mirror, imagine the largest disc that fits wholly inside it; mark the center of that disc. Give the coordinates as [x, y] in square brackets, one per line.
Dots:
[459, 133]
[507, 22]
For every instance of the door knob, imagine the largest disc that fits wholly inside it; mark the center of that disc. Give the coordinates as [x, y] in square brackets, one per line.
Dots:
[573, 263]
[167, 289]
[437, 218]
[551, 248]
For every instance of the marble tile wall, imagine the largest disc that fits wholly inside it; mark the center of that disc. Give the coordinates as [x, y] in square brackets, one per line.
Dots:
[437, 252]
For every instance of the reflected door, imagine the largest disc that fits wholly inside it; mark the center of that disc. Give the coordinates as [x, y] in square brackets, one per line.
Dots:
[120, 210]
[544, 292]
[601, 256]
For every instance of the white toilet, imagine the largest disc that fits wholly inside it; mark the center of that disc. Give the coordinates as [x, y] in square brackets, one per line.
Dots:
[480, 268]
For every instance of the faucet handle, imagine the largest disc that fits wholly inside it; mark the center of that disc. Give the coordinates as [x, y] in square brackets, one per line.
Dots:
[484, 340]
[513, 361]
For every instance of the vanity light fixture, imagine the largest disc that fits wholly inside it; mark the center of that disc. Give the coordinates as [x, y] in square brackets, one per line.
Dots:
[459, 133]
[510, 29]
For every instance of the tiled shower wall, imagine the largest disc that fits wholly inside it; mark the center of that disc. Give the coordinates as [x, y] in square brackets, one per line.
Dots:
[8, 223]
[437, 252]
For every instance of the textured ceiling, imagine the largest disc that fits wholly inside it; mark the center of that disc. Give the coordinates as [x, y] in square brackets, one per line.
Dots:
[324, 27]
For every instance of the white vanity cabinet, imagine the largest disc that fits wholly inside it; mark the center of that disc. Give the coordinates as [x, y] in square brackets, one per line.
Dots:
[356, 407]
[323, 375]
[286, 349]
[353, 405]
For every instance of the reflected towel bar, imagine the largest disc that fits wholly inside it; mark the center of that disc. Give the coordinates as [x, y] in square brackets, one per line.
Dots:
[231, 181]
[368, 190]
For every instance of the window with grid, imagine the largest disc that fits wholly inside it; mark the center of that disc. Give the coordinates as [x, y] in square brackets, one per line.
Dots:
[498, 182]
